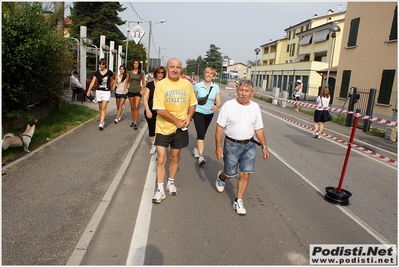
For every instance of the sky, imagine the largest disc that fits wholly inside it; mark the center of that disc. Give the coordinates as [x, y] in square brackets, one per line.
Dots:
[237, 28]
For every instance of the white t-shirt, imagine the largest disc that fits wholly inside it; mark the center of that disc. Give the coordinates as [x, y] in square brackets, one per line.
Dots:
[238, 121]
[324, 101]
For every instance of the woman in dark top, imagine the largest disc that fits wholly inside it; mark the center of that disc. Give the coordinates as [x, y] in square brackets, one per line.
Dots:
[149, 113]
[103, 92]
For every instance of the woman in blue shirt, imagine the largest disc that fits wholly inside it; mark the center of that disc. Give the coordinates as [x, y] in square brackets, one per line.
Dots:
[204, 113]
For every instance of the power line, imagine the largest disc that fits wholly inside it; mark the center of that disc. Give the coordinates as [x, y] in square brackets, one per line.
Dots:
[137, 14]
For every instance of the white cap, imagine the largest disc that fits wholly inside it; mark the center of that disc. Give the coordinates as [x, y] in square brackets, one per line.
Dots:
[298, 81]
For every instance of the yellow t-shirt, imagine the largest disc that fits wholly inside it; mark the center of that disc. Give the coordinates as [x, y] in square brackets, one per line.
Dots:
[175, 97]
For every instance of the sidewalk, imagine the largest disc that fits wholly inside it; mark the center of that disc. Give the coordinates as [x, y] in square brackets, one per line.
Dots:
[50, 195]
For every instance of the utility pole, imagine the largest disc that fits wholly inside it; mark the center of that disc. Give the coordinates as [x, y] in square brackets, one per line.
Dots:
[59, 10]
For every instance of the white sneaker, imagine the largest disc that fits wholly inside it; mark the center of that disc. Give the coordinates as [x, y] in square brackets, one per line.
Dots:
[239, 207]
[94, 101]
[116, 121]
[171, 188]
[101, 126]
[219, 183]
[153, 150]
[158, 196]
[195, 153]
[201, 161]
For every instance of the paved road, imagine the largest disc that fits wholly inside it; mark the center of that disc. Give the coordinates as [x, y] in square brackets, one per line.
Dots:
[53, 196]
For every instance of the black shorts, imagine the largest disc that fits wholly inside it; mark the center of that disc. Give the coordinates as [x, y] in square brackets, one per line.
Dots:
[130, 94]
[178, 139]
[120, 95]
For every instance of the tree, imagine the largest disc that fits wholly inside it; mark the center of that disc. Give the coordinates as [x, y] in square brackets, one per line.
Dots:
[100, 18]
[34, 57]
[213, 57]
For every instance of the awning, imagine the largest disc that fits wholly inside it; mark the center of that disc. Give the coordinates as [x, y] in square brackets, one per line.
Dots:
[320, 36]
[299, 58]
[307, 39]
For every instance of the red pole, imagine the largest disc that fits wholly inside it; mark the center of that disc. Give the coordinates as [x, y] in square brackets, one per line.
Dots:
[348, 152]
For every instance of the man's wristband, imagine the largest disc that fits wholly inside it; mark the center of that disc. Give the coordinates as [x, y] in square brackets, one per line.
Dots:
[264, 147]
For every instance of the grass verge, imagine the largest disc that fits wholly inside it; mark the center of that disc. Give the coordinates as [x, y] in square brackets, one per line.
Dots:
[57, 123]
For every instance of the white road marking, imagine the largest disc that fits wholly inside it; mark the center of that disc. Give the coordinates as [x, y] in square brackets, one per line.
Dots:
[138, 244]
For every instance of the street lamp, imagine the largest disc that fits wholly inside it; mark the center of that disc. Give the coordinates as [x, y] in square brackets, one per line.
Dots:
[89, 42]
[257, 50]
[334, 30]
[149, 43]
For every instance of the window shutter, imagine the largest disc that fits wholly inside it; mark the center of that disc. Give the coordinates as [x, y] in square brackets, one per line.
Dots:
[353, 32]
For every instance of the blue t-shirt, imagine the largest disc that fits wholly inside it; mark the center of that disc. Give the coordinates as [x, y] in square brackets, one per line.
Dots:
[201, 91]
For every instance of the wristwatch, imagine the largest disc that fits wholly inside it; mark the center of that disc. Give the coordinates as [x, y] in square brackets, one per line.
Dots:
[264, 147]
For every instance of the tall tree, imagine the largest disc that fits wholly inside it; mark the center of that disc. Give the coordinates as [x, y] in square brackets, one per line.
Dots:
[100, 18]
[213, 57]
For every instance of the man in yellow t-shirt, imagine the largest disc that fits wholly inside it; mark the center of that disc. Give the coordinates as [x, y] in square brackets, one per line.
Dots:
[175, 102]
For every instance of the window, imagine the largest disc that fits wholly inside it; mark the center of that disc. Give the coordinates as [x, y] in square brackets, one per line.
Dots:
[387, 79]
[394, 28]
[353, 32]
[346, 77]
[292, 50]
[288, 48]
[320, 56]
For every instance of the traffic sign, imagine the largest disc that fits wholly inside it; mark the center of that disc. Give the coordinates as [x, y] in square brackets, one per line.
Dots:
[137, 33]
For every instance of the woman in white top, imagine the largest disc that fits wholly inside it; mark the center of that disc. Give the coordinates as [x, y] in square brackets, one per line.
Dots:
[322, 100]
[120, 82]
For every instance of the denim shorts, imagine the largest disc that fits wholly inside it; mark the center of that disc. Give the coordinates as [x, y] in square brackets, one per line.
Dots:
[238, 156]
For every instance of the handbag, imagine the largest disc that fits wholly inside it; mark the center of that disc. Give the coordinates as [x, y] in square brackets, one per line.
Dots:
[202, 100]
[326, 115]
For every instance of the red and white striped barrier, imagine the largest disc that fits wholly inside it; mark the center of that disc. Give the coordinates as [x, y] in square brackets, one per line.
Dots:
[394, 162]
[366, 117]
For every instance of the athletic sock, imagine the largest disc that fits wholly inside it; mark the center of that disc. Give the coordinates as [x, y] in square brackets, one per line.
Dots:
[160, 186]
[170, 180]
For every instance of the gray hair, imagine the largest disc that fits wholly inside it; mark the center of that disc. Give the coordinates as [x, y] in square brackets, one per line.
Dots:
[245, 82]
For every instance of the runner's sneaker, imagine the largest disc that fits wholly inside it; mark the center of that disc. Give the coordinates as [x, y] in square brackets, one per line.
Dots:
[201, 161]
[101, 126]
[116, 121]
[153, 150]
[158, 196]
[219, 183]
[195, 153]
[171, 188]
[135, 126]
[238, 205]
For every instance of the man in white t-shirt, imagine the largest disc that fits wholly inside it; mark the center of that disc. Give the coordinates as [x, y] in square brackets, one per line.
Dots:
[239, 119]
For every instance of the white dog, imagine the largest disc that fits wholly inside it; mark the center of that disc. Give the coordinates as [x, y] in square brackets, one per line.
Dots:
[10, 140]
